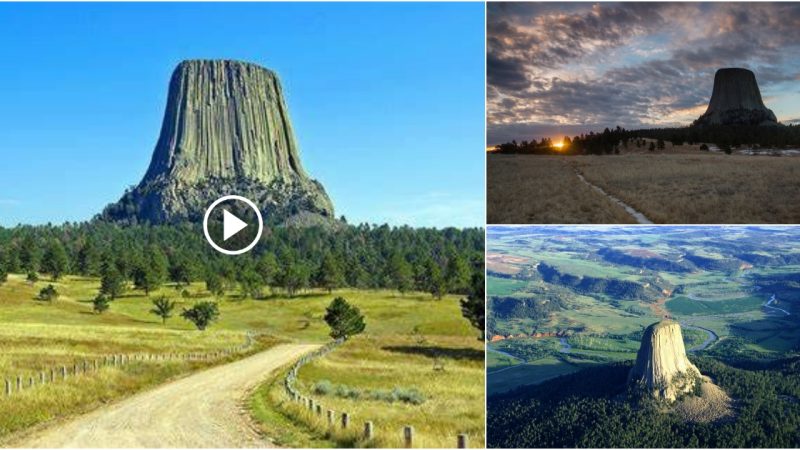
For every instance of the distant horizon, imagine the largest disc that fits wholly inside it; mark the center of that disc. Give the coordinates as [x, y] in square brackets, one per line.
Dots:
[557, 69]
[387, 133]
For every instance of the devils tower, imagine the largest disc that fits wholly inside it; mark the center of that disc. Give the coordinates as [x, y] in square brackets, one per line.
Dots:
[662, 368]
[736, 100]
[226, 130]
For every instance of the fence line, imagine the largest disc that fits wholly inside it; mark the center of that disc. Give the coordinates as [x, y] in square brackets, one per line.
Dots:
[88, 366]
[316, 408]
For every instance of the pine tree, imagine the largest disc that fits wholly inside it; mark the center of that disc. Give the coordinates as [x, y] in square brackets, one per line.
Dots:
[473, 308]
[29, 255]
[88, 261]
[112, 283]
[162, 307]
[251, 282]
[214, 283]
[344, 319]
[458, 273]
[201, 314]
[268, 269]
[330, 274]
[55, 260]
[100, 304]
[3, 266]
[401, 274]
[295, 277]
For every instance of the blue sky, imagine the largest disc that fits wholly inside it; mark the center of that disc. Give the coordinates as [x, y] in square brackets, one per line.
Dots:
[567, 68]
[387, 100]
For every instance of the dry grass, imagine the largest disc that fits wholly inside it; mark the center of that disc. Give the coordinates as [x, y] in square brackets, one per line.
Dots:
[675, 186]
[702, 187]
[524, 189]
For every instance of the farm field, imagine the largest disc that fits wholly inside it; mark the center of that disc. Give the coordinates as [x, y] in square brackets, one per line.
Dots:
[38, 335]
[672, 187]
[722, 301]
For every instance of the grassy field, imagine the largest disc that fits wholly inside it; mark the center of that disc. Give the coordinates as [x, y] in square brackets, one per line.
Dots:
[412, 344]
[669, 187]
[506, 379]
[525, 189]
[37, 335]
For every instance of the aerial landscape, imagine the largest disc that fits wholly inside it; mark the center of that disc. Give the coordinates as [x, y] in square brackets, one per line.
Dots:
[642, 113]
[639, 336]
[121, 327]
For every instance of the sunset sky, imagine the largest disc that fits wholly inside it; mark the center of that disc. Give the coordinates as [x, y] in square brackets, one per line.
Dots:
[557, 69]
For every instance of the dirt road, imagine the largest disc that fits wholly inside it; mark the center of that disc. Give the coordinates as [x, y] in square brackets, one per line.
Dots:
[201, 410]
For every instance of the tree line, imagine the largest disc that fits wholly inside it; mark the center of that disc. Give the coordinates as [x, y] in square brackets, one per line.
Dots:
[287, 259]
[613, 140]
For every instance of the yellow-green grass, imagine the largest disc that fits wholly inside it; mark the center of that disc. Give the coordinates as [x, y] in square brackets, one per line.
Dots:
[443, 360]
[37, 336]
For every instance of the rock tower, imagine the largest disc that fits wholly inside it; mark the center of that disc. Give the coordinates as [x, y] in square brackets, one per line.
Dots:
[736, 100]
[226, 130]
[662, 367]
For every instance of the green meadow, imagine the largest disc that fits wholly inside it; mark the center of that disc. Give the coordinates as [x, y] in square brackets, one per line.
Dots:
[405, 336]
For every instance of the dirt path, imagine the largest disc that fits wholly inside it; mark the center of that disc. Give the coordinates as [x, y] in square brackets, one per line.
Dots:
[638, 216]
[201, 410]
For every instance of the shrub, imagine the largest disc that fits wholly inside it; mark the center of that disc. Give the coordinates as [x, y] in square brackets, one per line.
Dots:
[323, 387]
[100, 304]
[411, 395]
[201, 314]
[48, 293]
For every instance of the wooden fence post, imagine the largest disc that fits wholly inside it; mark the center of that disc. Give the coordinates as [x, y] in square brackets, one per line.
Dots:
[30, 381]
[52, 375]
[8, 387]
[331, 417]
[64, 372]
[408, 436]
[42, 378]
[76, 369]
[319, 409]
[369, 432]
[345, 420]
[462, 440]
[19, 383]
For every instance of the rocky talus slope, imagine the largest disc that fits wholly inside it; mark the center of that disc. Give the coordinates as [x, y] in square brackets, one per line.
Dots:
[226, 130]
[662, 368]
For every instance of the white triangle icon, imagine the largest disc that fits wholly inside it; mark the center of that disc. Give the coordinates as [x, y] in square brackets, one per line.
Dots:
[231, 225]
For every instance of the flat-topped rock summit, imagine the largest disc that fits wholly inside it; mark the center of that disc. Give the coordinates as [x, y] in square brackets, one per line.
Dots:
[226, 130]
[662, 367]
[736, 100]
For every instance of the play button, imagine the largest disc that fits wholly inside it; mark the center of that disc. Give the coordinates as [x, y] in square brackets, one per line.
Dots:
[229, 225]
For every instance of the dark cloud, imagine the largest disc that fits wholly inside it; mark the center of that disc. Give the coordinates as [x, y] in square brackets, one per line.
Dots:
[555, 65]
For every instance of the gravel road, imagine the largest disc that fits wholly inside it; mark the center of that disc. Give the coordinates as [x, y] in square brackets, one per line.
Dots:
[200, 410]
